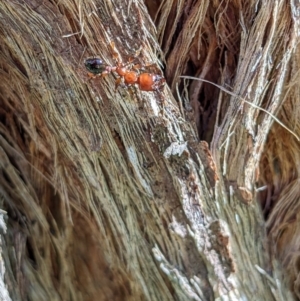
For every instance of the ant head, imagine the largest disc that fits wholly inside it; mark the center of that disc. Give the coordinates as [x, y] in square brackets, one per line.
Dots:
[95, 65]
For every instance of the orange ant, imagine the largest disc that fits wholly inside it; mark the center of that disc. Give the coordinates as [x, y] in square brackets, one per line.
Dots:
[145, 80]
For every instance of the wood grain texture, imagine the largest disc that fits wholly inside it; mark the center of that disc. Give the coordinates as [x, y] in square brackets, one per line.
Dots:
[110, 193]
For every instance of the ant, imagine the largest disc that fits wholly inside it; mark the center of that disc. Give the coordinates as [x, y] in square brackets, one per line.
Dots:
[145, 80]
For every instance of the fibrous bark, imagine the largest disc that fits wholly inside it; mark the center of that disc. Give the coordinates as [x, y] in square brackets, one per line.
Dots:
[119, 194]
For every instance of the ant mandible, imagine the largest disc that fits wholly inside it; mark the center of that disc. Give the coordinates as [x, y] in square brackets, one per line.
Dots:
[145, 80]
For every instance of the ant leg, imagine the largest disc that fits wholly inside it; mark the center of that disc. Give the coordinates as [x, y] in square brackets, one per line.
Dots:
[118, 82]
[134, 57]
[152, 67]
[137, 67]
[116, 54]
[138, 52]
[91, 76]
[94, 76]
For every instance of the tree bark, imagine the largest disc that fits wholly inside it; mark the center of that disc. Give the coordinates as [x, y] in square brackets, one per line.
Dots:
[121, 194]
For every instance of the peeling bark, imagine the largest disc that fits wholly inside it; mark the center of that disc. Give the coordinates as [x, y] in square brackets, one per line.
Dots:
[109, 193]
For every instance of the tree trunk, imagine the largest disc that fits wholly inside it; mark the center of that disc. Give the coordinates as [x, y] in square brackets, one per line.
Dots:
[121, 194]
